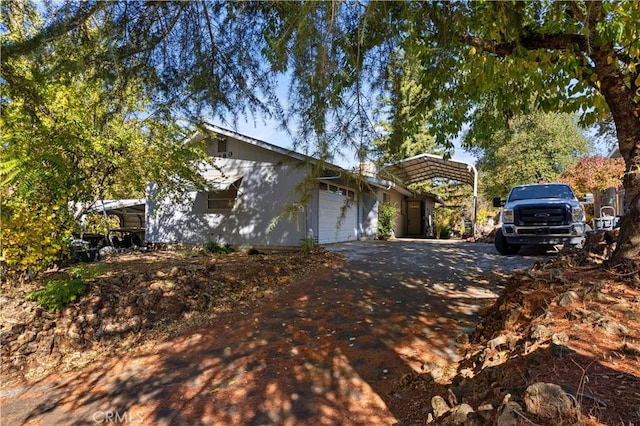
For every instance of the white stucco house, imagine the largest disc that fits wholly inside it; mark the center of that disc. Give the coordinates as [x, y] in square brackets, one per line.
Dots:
[262, 195]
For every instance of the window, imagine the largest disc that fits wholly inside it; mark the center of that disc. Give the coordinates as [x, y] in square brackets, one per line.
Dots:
[338, 190]
[222, 200]
[222, 145]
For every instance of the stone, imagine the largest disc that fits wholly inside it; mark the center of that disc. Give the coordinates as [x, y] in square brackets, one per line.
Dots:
[631, 349]
[439, 406]
[511, 318]
[132, 311]
[610, 326]
[485, 411]
[567, 298]
[29, 348]
[539, 332]
[559, 338]
[135, 323]
[18, 328]
[507, 413]
[459, 415]
[547, 400]
[494, 343]
[74, 331]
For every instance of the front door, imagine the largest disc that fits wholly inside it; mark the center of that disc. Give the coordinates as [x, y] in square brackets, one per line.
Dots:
[414, 217]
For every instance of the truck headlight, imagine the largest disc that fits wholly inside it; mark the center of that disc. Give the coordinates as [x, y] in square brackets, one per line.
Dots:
[507, 216]
[577, 214]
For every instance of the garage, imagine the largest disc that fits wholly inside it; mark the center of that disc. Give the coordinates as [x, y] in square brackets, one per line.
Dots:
[337, 220]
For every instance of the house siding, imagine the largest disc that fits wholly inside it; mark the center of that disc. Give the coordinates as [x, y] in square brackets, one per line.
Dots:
[268, 185]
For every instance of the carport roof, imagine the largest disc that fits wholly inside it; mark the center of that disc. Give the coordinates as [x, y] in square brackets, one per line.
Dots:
[428, 166]
[134, 206]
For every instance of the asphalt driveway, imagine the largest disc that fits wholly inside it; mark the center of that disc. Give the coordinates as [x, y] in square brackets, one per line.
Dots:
[340, 348]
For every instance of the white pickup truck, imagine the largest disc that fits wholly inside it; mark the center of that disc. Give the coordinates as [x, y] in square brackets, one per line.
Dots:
[543, 214]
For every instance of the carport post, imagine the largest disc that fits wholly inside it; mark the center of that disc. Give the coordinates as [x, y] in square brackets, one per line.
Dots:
[475, 199]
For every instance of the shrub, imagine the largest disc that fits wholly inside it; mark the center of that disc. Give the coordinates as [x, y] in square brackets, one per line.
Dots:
[33, 236]
[58, 292]
[215, 248]
[307, 244]
[65, 288]
[387, 214]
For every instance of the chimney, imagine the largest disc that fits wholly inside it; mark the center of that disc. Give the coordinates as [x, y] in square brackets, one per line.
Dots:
[367, 168]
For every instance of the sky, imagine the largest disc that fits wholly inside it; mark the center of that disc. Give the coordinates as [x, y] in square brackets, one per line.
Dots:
[270, 133]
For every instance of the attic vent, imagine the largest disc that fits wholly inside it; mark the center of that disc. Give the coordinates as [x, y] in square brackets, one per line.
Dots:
[222, 145]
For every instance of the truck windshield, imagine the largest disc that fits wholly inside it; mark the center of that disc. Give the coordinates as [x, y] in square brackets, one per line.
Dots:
[541, 191]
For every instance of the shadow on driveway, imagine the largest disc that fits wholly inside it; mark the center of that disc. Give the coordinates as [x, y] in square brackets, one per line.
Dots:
[339, 348]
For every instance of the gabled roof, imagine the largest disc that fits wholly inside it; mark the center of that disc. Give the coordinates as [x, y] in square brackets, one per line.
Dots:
[296, 155]
[257, 142]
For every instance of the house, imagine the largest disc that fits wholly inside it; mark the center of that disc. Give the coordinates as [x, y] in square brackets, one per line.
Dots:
[263, 195]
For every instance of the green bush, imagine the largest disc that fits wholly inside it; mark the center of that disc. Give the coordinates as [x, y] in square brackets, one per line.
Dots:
[215, 248]
[58, 293]
[307, 244]
[387, 214]
[65, 287]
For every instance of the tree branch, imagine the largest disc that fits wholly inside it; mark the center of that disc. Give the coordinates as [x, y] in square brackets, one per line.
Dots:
[530, 42]
[55, 30]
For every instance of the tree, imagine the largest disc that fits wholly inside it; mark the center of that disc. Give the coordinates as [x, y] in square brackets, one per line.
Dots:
[405, 132]
[72, 134]
[594, 173]
[538, 148]
[484, 63]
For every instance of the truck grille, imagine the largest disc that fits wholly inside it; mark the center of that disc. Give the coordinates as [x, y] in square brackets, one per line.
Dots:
[547, 216]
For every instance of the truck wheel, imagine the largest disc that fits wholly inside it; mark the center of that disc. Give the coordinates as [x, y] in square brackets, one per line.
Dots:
[503, 246]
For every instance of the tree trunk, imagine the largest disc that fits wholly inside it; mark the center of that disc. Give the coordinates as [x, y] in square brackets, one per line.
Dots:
[626, 115]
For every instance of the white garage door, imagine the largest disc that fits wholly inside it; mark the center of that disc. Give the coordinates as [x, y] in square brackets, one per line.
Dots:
[333, 227]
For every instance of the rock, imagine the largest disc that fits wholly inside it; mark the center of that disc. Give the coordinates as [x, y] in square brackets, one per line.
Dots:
[6, 336]
[631, 349]
[132, 311]
[439, 406]
[29, 348]
[547, 400]
[498, 341]
[18, 328]
[92, 319]
[135, 323]
[508, 413]
[567, 298]
[26, 337]
[111, 327]
[461, 414]
[612, 327]
[511, 318]
[540, 332]
[74, 331]
[485, 411]
[559, 338]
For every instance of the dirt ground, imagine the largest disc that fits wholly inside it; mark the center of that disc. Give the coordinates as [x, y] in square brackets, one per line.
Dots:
[297, 338]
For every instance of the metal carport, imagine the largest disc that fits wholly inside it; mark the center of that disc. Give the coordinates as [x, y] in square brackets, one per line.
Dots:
[428, 166]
